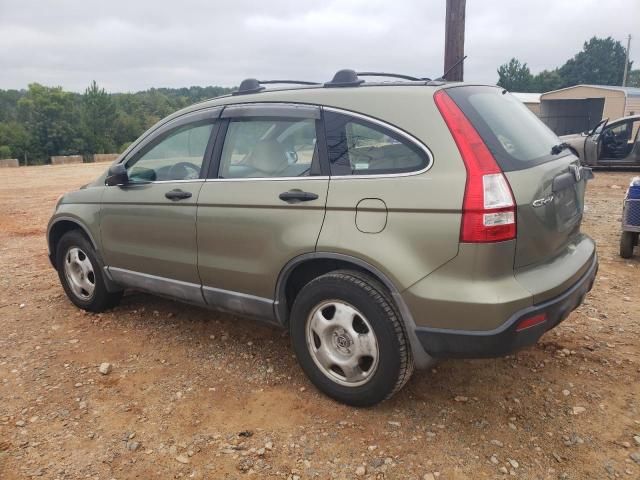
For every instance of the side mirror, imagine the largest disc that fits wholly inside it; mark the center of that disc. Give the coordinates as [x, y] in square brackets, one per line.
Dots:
[117, 175]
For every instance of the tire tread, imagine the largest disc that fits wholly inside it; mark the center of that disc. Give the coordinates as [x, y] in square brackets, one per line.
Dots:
[627, 242]
[382, 297]
[103, 299]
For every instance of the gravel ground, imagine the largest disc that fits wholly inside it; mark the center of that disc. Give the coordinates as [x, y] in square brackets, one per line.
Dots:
[190, 393]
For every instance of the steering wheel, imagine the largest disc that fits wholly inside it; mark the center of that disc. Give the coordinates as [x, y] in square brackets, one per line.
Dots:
[608, 136]
[183, 171]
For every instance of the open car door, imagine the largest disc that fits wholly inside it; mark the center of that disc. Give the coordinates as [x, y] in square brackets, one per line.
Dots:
[592, 146]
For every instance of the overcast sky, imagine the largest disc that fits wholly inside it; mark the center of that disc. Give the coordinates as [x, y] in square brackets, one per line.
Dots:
[136, 44]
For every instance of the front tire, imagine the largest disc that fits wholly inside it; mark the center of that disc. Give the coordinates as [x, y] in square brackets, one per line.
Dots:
[80, 274]
[349, 339]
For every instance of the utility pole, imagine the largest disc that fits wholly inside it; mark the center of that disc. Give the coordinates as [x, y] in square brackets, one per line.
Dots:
[626, 62]
[454, 39]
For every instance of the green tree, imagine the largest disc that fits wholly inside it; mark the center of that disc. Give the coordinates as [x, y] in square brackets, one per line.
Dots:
[128, 127]
[8, 103]
[5, 152]
[42, 121]
[547, 80]
[98, 118]
[633, 78]
[515, 76]
[49, 115]
[15, 136]
[601, 62]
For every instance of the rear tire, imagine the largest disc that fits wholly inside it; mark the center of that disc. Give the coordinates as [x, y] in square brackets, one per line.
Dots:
[627, 241]
[81, 275]
[349, 338]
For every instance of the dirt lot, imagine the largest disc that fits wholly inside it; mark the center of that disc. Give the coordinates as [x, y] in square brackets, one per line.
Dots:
[196, 394]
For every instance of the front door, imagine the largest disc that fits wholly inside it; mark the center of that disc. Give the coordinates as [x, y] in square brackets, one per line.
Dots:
[618, 142]
[263, 205]
[592, 145]
[148, 226]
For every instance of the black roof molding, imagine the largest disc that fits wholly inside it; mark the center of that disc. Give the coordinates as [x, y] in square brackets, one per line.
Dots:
[345, 78]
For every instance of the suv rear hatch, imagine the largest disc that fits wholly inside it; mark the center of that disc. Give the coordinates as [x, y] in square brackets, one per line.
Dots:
[548, 186]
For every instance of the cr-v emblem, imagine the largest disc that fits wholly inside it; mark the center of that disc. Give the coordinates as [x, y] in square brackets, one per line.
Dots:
[539, 202]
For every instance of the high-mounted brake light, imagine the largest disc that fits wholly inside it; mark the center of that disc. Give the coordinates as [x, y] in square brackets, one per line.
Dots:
[488, 209]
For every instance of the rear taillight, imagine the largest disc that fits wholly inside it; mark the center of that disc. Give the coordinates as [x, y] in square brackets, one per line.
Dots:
[488, 209]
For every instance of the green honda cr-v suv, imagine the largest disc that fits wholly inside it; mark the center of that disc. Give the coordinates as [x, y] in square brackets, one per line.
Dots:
[385, 224]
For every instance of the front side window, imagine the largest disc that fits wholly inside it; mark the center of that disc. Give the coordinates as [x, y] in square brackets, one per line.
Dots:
[626, 131]
[622, 131]
[263, 147]
[175, 156]
[357, 147]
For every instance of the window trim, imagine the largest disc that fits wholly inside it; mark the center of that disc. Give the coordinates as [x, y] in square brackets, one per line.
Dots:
[311, 112]
[266, 109]
[210, 114]
[398, 131]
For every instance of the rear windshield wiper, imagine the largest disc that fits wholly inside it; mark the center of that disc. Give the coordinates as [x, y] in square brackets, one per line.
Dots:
[556, 149]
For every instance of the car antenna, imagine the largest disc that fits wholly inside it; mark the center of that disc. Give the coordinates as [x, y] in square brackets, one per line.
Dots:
[451, 68]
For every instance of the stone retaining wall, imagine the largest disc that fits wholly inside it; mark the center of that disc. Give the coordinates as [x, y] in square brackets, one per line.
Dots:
[64, 159]
[9, 163]
[105, 157]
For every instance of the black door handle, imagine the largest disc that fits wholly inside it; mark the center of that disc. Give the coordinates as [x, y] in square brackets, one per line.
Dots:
[297, 195]
[177, 194]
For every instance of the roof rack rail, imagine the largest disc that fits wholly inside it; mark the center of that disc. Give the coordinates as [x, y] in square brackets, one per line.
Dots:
[392, 75]
[252, 85]
[342, 78]
[351, 78]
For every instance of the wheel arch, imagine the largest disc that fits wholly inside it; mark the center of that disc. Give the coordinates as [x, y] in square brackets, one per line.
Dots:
[59, 227]
[304, 268]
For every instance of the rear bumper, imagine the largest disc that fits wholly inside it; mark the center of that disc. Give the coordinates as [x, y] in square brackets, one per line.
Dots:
[507, 338]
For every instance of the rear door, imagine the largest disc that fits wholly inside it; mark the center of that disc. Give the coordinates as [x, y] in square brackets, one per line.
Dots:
[592, 144]
[389, 203]
[548, 188]
[263, 204]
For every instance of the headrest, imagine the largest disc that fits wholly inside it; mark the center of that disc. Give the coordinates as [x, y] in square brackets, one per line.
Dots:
[268, 156]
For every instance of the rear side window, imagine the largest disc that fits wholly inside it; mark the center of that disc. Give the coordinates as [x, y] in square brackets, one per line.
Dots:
[358, 147]
[514, 135]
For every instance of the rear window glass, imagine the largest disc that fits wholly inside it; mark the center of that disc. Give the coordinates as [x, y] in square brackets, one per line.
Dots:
[516, 137]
